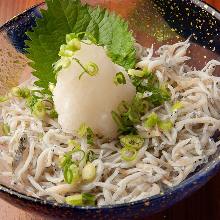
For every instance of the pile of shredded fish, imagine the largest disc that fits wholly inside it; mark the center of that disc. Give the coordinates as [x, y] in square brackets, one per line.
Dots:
[30, 154]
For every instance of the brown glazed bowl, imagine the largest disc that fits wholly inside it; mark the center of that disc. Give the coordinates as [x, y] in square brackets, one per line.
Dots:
[153, 22]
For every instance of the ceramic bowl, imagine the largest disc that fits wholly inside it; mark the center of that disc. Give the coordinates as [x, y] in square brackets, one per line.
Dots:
[153, 22]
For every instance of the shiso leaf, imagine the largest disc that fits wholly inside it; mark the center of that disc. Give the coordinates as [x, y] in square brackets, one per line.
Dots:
[71, 16]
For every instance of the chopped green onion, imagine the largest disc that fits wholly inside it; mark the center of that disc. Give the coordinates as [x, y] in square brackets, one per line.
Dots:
[74, 156]
[75, 200]
[68, 175]
[92, 69]
[39, 109]
[53, 114]
[74, 45]
[65, 160]
[166, 125]
[133, 141]
[152, 120]
[164, 91]
[138, 73]
[64, 52]
[20, 92]
[177, 106]
[119, 78]
[5, 129]
[84, 130]
[3, 99]
[91, 156]
[71, 174]
[73, 143]
[51, 87]
[25, 92]
[131, 115]
[128, 154]
[88, 199]
[64, 62]
[16, 91]
[89, 172]
[123, 106]
[70, 37]
[78, 156]
[76, 173]
[31, 101]
[80, 199]
[90, 136]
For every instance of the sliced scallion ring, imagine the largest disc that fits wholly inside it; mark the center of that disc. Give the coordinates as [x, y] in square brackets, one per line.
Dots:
[92, 69]
[88, 172]
[80, 199]
[166, 125]
[88, 199]
[68, 175]
[119, 78]
[75, 200]
[128, 154]
[78, 156]
[3, 99]
[133, 141]
[152, 120]
[5, 129]
[176, 106]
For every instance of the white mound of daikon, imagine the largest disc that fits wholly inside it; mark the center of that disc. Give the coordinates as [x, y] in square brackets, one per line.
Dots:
[90, 99]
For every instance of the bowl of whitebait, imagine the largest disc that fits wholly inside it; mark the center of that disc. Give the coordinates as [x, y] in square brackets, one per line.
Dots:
[108, 109]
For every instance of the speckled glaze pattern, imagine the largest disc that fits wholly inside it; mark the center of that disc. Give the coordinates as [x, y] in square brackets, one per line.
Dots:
[175, 20]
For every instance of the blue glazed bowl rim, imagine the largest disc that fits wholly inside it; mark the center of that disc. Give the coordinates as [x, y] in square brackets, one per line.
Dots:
[214, 166]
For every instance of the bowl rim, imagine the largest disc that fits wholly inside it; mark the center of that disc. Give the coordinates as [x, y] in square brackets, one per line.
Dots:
[214, 164]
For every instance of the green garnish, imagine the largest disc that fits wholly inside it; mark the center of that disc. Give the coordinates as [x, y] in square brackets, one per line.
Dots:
[128, 154]
[81, 199]
[82, 130]
[119, 78]
[151, 120]
[20, 92]
[71, 174]
[69, 164]
[3, 99]
[72, 45]
[88, 172]
[90, 156]
[39, 109]
[130, 116]
[176, 106]
[138, 73]
[90, 136]
[53, 114]
[133, 141]
[51, 87]
[31, 101]
[5, 129]
[145, 81]
[107, 30]
[91, 69]
[166, 125]
[85, 131]
[75, 200]
[73, 143]
[78, 156]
